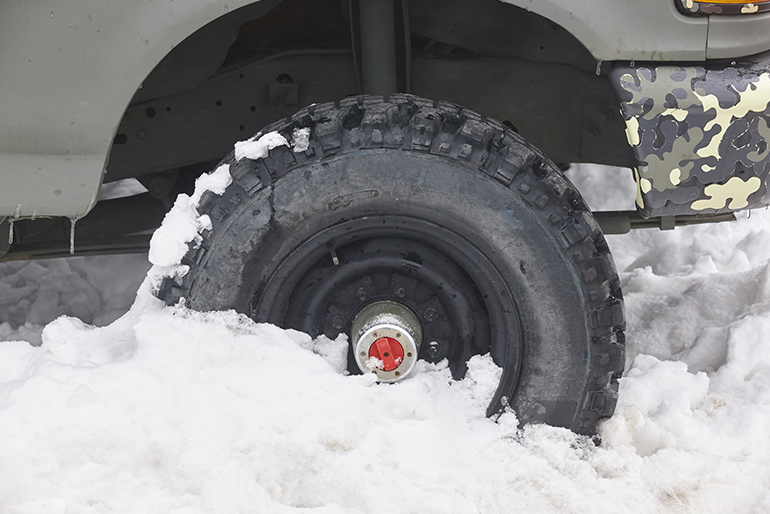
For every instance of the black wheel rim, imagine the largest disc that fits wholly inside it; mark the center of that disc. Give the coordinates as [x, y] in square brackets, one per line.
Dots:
[464, 303]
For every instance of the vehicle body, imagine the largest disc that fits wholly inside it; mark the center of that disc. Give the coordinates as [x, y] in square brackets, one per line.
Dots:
[81, 79]
[94, 93]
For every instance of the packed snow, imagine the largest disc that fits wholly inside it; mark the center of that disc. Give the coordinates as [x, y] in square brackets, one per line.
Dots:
[113, 402]
[183, 225]
[258, 146]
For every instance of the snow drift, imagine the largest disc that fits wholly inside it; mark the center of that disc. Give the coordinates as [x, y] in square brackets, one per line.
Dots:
[168, 410]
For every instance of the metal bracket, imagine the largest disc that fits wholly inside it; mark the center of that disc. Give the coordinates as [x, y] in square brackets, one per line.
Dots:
[622, 222]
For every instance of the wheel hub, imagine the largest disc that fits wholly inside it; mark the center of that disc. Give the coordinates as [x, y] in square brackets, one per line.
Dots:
[386, 339]
[388, 351]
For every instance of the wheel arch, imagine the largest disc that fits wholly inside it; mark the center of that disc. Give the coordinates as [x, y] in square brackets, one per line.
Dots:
[522, 62]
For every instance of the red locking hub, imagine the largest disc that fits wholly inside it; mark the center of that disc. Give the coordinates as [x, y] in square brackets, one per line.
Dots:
[388, 351]
[386, 339]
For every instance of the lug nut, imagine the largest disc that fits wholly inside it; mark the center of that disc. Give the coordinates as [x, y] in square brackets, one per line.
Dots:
[362, 294]
[338, 322]
[401, 290]
[430, 314]
[433, 349]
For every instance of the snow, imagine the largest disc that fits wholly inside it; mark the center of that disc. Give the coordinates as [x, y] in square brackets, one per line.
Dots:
[258, 146]
[125, 405]
[182, 225]
[169, 243]
[300, 140]
[216, 182]
[97, 290]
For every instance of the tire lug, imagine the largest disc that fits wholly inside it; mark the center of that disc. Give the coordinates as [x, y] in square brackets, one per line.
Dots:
[401, 291]
[362, 294]
[338, 322]
[430, 314]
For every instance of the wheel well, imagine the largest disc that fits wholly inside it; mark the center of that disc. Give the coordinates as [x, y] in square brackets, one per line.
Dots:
[491, 56]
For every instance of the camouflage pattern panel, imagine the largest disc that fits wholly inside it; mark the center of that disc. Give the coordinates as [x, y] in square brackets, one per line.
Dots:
[699, 7]
[700, 136]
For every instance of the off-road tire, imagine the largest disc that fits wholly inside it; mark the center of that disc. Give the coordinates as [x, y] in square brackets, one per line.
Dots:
[524, 247]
